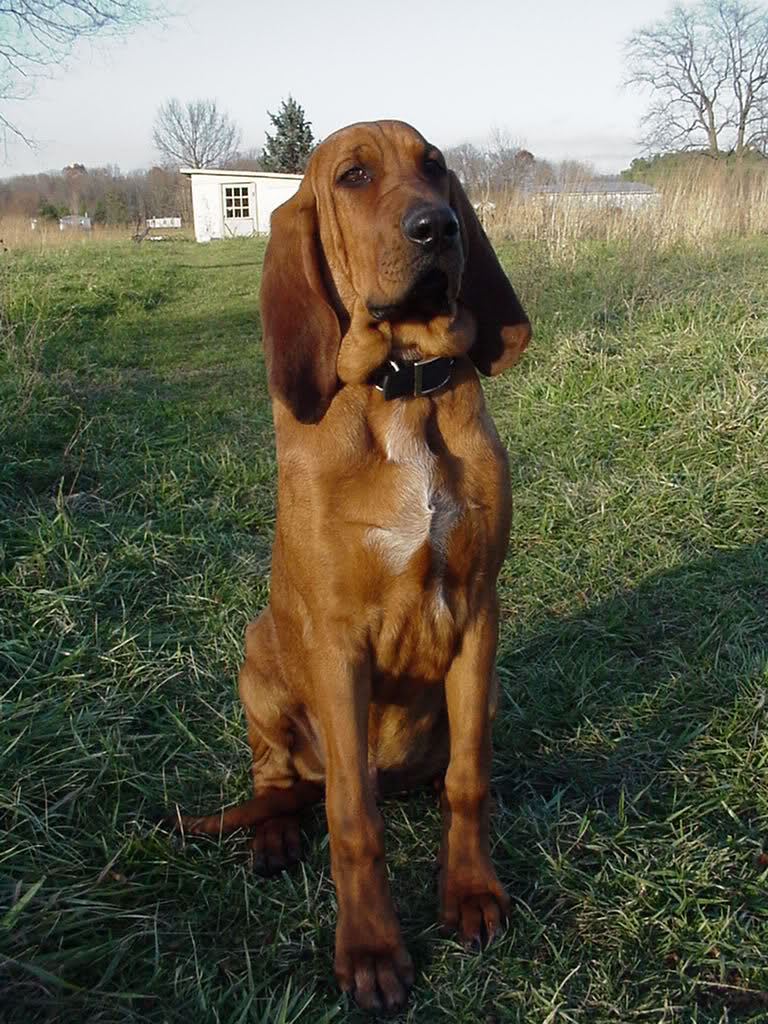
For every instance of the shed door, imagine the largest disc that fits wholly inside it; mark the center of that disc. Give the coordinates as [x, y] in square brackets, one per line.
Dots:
[239, 203]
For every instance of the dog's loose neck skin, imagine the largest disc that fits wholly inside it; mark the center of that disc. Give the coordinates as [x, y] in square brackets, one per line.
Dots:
[414, 433]
[368, 343]
[365, 346]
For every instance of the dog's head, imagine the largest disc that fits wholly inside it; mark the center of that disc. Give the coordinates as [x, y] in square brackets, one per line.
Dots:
[380, 233]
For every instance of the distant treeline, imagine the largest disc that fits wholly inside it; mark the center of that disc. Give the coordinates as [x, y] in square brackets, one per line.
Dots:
[107, 195]
[662, 168]
[111, 197]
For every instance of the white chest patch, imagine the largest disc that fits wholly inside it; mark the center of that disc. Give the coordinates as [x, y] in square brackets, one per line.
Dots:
[427, 512]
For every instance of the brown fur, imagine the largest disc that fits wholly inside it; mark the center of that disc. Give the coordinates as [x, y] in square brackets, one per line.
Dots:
[372, 668]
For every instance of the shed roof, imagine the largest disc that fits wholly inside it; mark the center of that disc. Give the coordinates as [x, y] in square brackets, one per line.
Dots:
[597, 186]
[227, 172]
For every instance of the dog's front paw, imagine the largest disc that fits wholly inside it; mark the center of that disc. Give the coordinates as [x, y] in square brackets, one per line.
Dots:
[378, 977]
[475, 906]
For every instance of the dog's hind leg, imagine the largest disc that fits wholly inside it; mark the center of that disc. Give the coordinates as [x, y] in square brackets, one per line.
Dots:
[279, 793]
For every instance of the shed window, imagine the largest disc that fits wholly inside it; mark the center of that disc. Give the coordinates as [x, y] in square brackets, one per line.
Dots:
[236, 201]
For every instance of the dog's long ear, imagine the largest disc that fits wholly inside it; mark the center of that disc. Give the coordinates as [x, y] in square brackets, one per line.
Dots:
[503, 329]
[301, 330]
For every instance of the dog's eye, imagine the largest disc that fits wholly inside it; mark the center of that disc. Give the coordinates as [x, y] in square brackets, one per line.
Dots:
[433, 168]
[354, 176]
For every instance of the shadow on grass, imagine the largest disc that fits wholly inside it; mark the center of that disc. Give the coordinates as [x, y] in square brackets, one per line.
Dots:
[185, 385]
[97, 425]
[600, 702]
[221, 266]
[627, 758]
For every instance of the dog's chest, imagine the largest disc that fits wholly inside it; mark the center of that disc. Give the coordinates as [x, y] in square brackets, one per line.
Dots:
[423, 508]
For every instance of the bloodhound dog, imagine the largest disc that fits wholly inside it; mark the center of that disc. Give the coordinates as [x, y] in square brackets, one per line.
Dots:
[372, 668]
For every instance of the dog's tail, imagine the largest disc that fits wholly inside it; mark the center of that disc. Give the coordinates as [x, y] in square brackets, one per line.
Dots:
[269, 803]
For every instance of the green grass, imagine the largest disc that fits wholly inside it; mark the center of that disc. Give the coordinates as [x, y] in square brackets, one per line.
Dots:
[136, 508]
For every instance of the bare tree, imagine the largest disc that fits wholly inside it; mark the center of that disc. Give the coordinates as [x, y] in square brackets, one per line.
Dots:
[508, 161]
[501, 163]
[251, 159]
[706, 69]
[38, 36]
[569, 174]
[195, 134]
[469, 164]
[744, 31]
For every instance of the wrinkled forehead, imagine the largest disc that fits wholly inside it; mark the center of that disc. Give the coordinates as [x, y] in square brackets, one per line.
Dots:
[368, 142]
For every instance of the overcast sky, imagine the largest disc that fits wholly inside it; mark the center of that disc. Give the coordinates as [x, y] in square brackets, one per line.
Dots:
[547, 72]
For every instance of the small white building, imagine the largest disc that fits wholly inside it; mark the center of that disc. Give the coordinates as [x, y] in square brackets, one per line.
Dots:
[600, 193]
[76, 222]
[232, 204]
[163, 222]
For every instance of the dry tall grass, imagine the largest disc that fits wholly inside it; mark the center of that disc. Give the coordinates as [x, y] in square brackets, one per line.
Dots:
[712, 202]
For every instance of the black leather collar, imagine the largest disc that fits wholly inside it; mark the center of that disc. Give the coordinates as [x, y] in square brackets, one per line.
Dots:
[401, 378]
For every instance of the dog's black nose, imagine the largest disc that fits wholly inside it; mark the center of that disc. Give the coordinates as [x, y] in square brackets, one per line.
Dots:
[430, 226]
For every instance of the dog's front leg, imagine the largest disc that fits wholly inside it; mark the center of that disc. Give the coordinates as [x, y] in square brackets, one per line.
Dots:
[371, 961]
[472, 899]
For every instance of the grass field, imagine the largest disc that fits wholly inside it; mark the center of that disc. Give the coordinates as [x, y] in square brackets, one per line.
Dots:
[631, 767]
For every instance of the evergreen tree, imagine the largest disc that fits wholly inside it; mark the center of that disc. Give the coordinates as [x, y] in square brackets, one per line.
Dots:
[289, 148]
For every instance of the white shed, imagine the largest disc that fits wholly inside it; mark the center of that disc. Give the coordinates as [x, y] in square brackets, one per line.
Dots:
[229, 204]
[601, 193]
